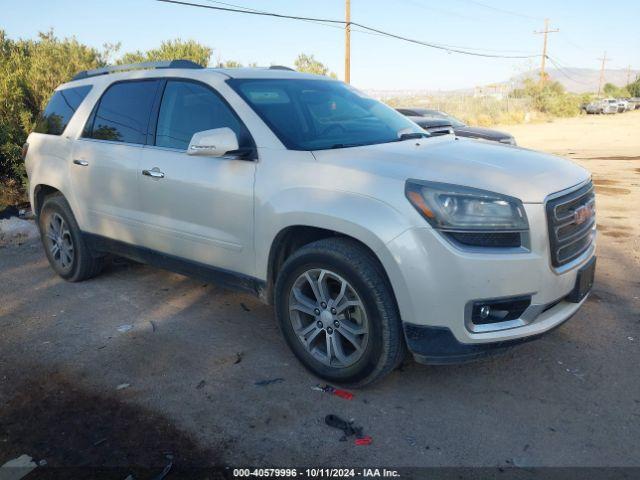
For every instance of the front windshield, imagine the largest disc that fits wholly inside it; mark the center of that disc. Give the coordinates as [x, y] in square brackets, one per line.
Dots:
[322, 114]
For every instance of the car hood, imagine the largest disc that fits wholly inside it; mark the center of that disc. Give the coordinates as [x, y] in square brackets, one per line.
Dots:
[521, 173]
[485, 133]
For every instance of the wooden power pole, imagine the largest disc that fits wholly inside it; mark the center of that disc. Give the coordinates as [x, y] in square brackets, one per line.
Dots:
[347, 42]
[628, 75]
[544, 32]
[604, 60]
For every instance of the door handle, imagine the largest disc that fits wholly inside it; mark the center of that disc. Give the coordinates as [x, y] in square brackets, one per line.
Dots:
[153, 173]
[82, 163]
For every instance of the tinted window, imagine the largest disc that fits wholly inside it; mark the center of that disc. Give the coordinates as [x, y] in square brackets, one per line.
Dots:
[123, 112]
[188, 108]
[60, 109]
[321, 114]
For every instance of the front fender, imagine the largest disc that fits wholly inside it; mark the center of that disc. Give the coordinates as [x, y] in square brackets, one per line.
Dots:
[366, 219]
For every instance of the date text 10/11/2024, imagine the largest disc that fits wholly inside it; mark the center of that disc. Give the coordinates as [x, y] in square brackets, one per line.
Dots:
[315, 472]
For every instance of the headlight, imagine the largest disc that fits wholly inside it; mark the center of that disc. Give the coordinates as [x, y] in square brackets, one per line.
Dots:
[455, 208]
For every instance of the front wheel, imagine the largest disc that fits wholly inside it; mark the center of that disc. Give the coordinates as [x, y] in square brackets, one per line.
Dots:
[338, 313]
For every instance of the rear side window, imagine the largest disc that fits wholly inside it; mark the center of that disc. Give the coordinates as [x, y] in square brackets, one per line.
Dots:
[188, 108]
[122, 115]
[60, 109]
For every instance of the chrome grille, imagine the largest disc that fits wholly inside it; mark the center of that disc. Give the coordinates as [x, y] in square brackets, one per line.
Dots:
[571, 220]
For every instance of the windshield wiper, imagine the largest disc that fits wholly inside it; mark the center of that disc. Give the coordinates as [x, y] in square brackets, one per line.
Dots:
[345, 145]
[412, 135]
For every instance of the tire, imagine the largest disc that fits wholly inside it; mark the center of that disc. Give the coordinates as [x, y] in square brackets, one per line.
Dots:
[67, 252]
[364, 312]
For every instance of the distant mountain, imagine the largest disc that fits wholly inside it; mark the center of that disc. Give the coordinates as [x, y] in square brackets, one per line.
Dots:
[582, 80]
[576, 80]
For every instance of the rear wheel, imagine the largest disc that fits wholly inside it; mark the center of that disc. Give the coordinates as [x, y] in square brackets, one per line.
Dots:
[338, 314]
[66, 250]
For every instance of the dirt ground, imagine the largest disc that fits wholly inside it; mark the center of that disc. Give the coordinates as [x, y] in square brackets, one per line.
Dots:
[583, 137]
[182, 385]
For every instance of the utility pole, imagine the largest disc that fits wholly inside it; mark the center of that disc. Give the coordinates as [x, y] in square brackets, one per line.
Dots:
[347, 42]
[545, 32]
[628, 75]
[604, 60]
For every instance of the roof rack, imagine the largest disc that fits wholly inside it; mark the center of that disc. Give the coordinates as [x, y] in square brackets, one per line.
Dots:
[136, 66]
[280, 67]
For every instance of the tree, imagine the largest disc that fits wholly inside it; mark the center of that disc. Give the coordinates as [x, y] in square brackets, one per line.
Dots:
[309, 64]
[29, 71]
[634, 88]
[230, 64]
[610, 90]
[549, 97]
[171, 50]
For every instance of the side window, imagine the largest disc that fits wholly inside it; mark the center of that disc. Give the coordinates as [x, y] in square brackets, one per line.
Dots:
[188, 108]
[60, 109]
[122, 115]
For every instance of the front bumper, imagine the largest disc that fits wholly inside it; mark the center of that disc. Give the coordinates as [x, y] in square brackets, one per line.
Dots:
[438, 346]
[435, 281]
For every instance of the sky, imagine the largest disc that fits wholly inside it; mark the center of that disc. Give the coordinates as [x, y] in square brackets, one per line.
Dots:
[588, 28]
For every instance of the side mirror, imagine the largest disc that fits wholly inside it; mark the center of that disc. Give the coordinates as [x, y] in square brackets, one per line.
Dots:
[213, 143]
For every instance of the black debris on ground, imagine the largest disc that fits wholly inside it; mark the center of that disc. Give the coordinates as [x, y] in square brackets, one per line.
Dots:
[264, 383]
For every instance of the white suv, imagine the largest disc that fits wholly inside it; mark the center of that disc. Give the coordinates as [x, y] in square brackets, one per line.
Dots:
[370, 236]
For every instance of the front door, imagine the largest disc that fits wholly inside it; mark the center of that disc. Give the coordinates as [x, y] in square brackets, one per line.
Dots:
[197, 208]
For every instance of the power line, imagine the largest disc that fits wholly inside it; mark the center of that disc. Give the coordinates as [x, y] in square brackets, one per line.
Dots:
[574, 45]
[341, 28]
[460, 50]
[501, 10]
[561, 69]
[316, 22]
[440, 10]
[442, 47]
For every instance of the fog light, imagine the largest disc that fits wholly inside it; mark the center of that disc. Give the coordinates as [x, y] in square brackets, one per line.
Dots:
[499, 310]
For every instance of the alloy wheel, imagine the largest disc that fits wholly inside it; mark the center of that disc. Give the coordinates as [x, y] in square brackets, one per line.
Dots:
[60, 242]
[328, 318]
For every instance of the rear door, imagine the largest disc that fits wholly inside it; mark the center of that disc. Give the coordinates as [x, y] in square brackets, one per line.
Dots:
[198, 208]
[106, 160]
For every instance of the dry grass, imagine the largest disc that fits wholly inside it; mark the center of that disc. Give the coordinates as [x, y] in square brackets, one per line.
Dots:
[477, 111]
[11, 193]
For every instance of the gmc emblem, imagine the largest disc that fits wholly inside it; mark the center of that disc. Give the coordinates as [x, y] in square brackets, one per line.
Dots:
[582, 214]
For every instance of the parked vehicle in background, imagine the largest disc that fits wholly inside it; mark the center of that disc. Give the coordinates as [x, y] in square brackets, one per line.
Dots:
[596, 107]
[435, 126]
[370, 236]
[623, 105]
[634, 103]
[610, 105]
[460, 128]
